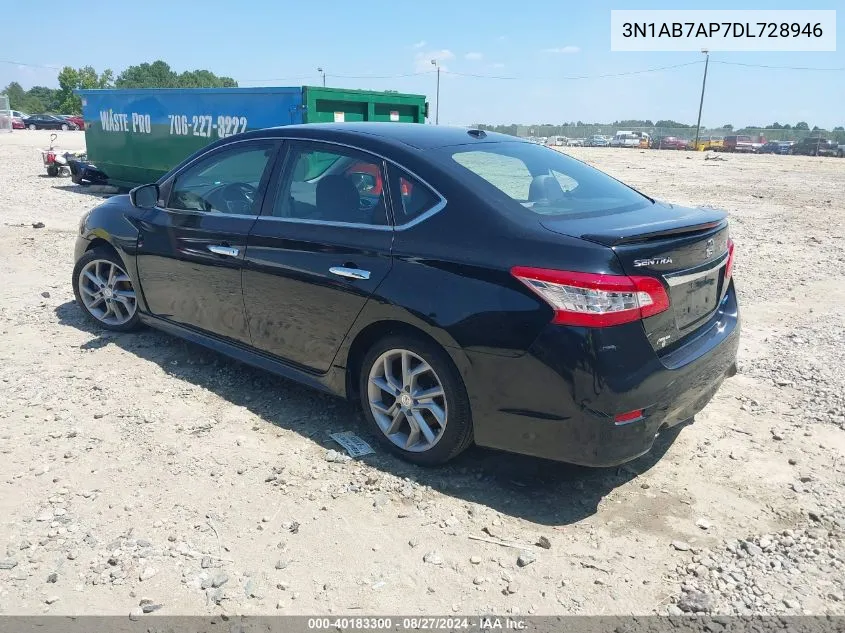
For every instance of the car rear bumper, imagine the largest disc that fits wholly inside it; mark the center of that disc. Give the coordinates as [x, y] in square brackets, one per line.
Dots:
[559, 400]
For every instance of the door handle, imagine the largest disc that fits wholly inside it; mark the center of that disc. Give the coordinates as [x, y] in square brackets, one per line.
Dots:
[349, 273]
[228, 251]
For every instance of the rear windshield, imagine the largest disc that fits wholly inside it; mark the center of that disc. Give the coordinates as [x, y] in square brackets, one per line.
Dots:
[543, 180]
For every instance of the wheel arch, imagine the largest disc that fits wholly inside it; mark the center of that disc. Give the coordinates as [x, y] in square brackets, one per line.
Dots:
[377, 330]
[99, 242]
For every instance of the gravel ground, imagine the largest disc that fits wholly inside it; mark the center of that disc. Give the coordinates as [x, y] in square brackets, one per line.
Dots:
[143, 474]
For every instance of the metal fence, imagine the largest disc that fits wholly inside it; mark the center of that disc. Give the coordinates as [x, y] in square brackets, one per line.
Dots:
[687, 133]
[5, 114]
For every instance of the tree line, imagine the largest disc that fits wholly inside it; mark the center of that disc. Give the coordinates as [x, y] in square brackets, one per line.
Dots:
[61, 100]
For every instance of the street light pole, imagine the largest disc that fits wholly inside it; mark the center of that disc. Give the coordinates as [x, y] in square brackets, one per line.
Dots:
[320, 70]
[701, 103]
[437, 102]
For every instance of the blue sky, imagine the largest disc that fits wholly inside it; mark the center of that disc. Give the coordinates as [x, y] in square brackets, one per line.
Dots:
[263, 42]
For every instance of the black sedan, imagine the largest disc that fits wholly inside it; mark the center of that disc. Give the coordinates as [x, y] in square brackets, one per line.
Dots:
[48, 122]
[463, 286]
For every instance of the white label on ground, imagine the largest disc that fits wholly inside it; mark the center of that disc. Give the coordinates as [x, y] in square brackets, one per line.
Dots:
[354, 445]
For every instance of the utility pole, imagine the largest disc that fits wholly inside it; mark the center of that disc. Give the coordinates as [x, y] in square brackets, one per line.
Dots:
[320, 70]
[701, 103]
[437, 102]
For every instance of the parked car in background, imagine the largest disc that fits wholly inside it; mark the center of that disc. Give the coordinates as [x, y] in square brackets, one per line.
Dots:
[710, 143]
[737, 143]
[48, 122]
[575, 142]
[625, 139]
[587, 317]
[815, 146]
[77, 120]
[644, 140]
[597, 140]
[841, 151]
[776, 147]
[669, 142]
[14, 118]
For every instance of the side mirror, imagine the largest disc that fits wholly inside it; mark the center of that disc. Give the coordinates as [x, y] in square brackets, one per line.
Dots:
[145, 196]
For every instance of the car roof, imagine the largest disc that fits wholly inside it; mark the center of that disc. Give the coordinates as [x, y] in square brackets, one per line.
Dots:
[414, 135]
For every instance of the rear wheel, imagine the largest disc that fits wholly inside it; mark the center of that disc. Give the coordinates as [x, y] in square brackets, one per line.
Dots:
[104, 290]
[415, 401]
[65, 127]
[32, 126]
[52, 171]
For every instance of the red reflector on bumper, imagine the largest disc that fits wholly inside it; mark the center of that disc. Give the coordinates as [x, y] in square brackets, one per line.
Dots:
[622, 418]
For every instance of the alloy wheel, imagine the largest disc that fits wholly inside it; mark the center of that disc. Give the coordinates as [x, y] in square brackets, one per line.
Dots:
[407, 400]
[107, 292]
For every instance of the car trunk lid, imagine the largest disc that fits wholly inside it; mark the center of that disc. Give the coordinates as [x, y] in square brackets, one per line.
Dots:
[686, 249]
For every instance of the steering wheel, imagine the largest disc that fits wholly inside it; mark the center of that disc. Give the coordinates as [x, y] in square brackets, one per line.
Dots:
[238, 192]
[233, 197]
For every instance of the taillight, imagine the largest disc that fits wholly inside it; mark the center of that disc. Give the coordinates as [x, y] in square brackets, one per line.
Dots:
[594, 300]
[729, 267]
[630, 416]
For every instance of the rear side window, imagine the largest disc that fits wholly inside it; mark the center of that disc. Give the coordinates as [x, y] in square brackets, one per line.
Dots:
[542, 180]
[507, 173]
[413, 198]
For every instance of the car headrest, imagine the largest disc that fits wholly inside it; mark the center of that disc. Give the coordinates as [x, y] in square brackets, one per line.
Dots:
[337, 199]
[544, 188]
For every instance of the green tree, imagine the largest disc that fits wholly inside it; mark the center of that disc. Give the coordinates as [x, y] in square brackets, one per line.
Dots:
[85, 78]
[670, 123]
[802, 125]
[16, 94]
[204, 79]
[159, 75]
[25, 101]
[47, 97]
[839, 128]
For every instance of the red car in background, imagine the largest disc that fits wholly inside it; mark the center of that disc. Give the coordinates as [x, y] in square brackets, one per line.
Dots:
[78, 121]
[669, 142]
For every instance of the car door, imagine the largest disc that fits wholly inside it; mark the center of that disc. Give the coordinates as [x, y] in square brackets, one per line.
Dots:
[317, 253]
[191, 246]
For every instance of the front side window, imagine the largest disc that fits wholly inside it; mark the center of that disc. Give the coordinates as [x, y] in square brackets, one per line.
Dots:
[542, 180]
[332, 184]
[225, 182]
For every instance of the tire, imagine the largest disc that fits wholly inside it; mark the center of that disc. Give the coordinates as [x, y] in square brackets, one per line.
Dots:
[101, 259]
[451, 439]
[31, 126]
[65, 127]
[52, 171]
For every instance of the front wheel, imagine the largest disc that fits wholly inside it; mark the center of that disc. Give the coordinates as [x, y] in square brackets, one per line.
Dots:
[65, 127]
[104, 290]
[32, 126]
[415, 401]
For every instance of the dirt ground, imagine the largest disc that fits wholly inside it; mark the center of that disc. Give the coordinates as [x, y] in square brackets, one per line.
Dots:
[138, 471]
